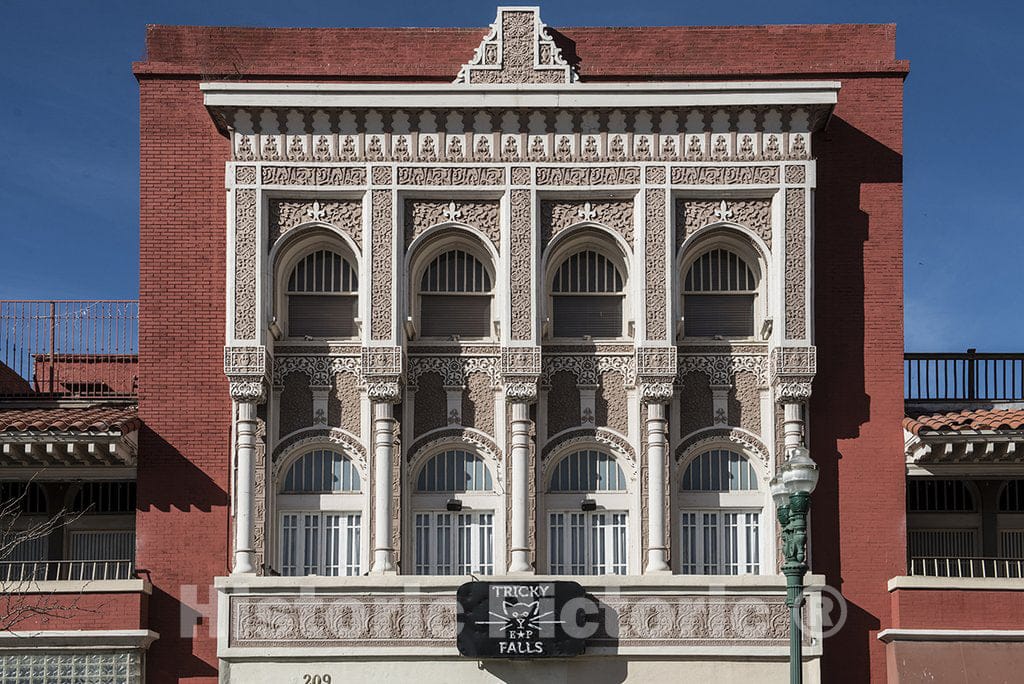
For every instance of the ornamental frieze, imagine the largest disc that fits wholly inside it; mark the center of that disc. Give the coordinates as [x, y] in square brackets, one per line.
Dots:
[450, 175]
[313, 175]
[345, 215]
[587, 367]
[720, 368]
[694, 214]
[319, 369]
[521, 271]
[725, 175]
[454, 369]
[588, 175]
[381, 308]
[557, 215]
[484, 215]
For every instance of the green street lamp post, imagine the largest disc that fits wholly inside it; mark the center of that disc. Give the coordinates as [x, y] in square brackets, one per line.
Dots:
[792, 495]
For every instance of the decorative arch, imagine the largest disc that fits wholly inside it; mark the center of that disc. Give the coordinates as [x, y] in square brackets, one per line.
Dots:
[565, 240]
[575, 439]
[471, 439]
[299, 442]
[736, 439]
[724, 230]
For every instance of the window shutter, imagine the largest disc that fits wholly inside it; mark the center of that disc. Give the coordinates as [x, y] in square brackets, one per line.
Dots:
[447, 315]
[594, 315]
[326, 316]
[707, 315]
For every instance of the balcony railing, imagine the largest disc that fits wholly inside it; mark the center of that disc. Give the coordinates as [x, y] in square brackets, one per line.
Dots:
[69, 348]
[968, 376]
[14, 572]
[993, 568]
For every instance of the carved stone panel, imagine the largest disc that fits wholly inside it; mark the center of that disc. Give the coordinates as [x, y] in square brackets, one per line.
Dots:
[656, 301]
[478, 403]
[345, 215]
[296, 404]
[521, 273]
[382, 280]
[563, 403]
[725, 175]
[343, 404]
[611, 408]
[696, 403]
[518, 49]
[483, 215]
[450, 175]
[245, 264]
[796, 264]
[745, 402]
[693, 214]
[431, 407]
[588, 175]
[557, 215]
[314, 175]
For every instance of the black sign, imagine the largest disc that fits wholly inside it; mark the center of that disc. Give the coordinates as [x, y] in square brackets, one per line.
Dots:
[524, 619]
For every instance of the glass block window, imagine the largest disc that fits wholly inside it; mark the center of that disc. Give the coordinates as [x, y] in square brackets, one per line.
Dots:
[588, 471]
[93, 667]
[587, 295]
[587, 542]
[322, 296]
[455, 471]
[321, 471]
[459, 543]
[718, 296]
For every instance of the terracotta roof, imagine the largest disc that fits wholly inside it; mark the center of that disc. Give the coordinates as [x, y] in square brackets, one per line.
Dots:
[85, 419]
[981, 419]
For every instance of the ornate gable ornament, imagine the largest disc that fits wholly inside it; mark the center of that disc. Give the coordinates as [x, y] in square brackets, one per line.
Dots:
[518, 49]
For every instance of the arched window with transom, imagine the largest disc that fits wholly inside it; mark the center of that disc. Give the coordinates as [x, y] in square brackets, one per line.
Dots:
[587, 506]
[322, 296]
[455, 293]
[719, 294]
[320, 508]
[720, 511]
[588, 292]
[454, 515]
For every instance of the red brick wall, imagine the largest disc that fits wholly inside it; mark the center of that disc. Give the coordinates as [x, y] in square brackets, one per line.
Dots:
[184, 446]
[857, 405]
[71, 611]
[858, 535]
[956, 609]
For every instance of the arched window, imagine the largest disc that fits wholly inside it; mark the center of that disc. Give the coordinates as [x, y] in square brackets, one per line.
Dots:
[720, 515]
[322, 296]
[587, 515]
[454, 515]
[320, 510]
[587, 295]
[455, 296]
[943, 522]
[718, 296]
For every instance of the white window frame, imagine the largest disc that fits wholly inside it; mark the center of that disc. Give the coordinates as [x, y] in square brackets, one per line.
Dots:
[602, 530]
[346, 565]
[741, 563]
[474, 526]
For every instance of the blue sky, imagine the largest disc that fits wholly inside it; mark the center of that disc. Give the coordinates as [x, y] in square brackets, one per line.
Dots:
[69, 155]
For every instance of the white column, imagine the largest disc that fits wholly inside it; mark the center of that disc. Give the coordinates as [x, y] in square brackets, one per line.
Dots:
[520, 474]
[792, 425]
[657, 553]
[245, 421]
[383, 453]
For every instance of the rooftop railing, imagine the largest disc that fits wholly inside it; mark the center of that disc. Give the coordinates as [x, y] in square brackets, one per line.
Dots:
[967, 376]
[69, 348]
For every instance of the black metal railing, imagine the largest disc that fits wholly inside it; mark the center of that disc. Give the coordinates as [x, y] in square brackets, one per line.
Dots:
[966, 376]
[71, 348]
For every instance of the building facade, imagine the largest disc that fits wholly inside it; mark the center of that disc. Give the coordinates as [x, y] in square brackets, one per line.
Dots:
[423, 305]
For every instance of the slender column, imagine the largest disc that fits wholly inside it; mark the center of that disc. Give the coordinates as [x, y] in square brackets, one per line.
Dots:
[245, 422]
[792, 424]
[520, 474]
[383, 453]
[657, 553]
